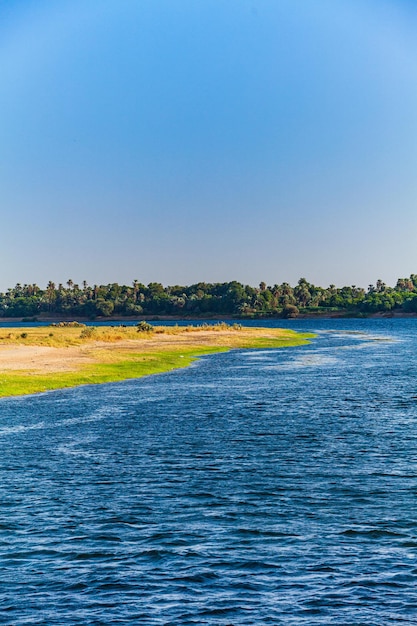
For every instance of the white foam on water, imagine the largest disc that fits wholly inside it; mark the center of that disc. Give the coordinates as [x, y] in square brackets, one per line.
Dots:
[73, 447]
[99, 414]
[96, 416]
[358, 335]
[305, 360]
[12, 430]
[257, 353]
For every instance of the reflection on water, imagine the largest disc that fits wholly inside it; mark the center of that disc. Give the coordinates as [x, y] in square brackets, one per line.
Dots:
[257, 487]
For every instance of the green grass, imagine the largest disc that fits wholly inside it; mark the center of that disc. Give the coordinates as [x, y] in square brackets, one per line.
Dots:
[115, 365]
[22, 382]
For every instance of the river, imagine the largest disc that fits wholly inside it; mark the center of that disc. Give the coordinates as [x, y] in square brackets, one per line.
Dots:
[255, 487]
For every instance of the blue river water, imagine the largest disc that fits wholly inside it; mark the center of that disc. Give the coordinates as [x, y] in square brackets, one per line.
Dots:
[255, 487]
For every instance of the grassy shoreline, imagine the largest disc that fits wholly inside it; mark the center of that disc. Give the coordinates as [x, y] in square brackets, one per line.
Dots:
[34, 360]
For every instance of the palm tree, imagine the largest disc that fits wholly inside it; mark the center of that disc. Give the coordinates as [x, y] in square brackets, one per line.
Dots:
[50, 294]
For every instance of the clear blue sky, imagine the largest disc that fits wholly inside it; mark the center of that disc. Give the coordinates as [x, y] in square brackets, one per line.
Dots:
[213, 140]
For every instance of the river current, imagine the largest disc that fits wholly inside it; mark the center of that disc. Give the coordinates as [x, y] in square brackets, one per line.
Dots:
[255, 487]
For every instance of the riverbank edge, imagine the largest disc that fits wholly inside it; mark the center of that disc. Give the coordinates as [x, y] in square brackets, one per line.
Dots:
[134, 364]
[50, 319]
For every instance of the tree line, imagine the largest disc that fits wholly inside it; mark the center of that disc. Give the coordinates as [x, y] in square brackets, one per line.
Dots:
[206, 299]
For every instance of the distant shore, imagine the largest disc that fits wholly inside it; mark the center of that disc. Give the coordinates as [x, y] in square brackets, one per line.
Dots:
[45, 318]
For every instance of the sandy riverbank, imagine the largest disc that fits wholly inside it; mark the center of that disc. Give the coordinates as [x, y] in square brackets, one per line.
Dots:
[44, 358]
[20, 356]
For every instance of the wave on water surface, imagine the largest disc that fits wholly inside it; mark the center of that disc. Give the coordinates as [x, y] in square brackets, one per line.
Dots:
[262, 487]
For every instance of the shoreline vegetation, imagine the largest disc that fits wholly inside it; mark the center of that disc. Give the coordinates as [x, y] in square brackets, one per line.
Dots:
[207, 301]
[70, 354]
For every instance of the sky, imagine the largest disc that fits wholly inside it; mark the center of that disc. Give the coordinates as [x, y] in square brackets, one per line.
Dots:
[180, 141]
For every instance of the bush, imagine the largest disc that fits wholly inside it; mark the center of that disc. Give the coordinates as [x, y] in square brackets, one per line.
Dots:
[88, 332]
[290, 311]
[144, 327]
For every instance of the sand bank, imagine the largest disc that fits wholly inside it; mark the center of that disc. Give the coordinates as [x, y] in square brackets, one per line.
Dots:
[40, 359]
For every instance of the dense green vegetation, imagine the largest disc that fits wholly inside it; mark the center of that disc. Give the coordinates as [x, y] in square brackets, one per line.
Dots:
[206, 299]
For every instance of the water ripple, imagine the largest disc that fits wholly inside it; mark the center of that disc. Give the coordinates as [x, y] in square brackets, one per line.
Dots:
[259, 487]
